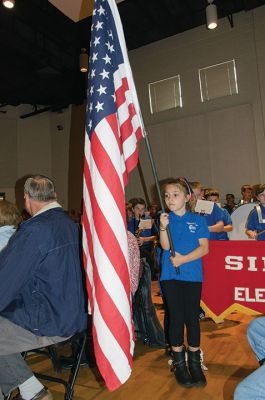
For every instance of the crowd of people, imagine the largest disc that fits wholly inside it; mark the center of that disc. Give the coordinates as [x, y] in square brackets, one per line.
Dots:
[172, 243]
[181, 273]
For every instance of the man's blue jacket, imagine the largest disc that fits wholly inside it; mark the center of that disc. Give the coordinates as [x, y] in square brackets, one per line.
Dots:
[41, 278]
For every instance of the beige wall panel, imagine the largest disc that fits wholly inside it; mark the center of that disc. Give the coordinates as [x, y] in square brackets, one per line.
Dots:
[34, 151]
[8, 153]
[34, 146]
[233, 149]
[60, 133]
[76, 157]
[187, 150]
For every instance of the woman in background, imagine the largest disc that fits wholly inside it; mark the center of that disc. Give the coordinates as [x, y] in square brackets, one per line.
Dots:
[9, 220]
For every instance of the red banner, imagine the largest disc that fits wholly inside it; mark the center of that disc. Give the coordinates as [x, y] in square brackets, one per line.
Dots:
[234, 278]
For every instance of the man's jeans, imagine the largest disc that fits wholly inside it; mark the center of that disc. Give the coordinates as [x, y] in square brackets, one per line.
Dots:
[253, 386]
[14, 340]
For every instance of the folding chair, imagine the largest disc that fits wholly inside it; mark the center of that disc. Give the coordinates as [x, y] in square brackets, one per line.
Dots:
[51, 352]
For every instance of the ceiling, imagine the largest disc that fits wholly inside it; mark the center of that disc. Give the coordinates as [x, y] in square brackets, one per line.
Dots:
[40, 46]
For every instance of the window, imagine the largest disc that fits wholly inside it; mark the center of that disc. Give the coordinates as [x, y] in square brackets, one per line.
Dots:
[165, 94]
[218, 80]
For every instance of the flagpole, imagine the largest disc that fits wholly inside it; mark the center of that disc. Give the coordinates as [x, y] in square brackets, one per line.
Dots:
[143, 182]
[145, 136]
[151, 158]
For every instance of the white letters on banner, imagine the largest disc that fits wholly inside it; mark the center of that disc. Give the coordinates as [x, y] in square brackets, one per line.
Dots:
[243, 294]
[251, 263]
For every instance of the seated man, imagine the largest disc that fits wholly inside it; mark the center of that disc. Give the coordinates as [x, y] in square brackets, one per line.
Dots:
[41, 293]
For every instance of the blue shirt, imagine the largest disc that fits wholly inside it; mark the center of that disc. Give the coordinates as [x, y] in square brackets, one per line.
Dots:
[41, 286]
[185, 232]
[253, 223]
[212, 219]
[133, 226]
[227, 221]
[6, 232]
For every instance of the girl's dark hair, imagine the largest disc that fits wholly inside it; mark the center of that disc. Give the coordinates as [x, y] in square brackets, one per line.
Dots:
[137, 200]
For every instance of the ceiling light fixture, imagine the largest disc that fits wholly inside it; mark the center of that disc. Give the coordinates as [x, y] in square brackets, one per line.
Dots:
[211, 15]
[83, 60]
[9, 3]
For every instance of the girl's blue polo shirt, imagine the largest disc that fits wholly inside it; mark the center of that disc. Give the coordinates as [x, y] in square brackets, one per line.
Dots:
[253, 223]
[185, 233]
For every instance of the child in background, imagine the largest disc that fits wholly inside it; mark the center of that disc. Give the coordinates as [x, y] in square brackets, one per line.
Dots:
[230, 205]
[9, 221]
[145, 237]
[213, 195]
[255, 226]
[181, 280]
[215, 219]
[246, 191]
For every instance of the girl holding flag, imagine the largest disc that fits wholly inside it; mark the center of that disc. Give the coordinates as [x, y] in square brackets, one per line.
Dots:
[181, 279]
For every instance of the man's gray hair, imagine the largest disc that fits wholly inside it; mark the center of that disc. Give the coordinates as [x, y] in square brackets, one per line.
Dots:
[40, 188]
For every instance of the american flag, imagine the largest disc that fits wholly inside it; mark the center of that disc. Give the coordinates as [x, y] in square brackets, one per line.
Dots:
[113, 128]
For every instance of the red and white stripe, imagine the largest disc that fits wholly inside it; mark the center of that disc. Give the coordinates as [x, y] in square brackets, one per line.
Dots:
[110, 155]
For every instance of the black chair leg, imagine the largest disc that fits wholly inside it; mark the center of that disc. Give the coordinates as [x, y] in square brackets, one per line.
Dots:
[55, 359]
[75, 368]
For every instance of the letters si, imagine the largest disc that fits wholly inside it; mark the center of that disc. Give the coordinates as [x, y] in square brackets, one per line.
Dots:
[237, 263]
